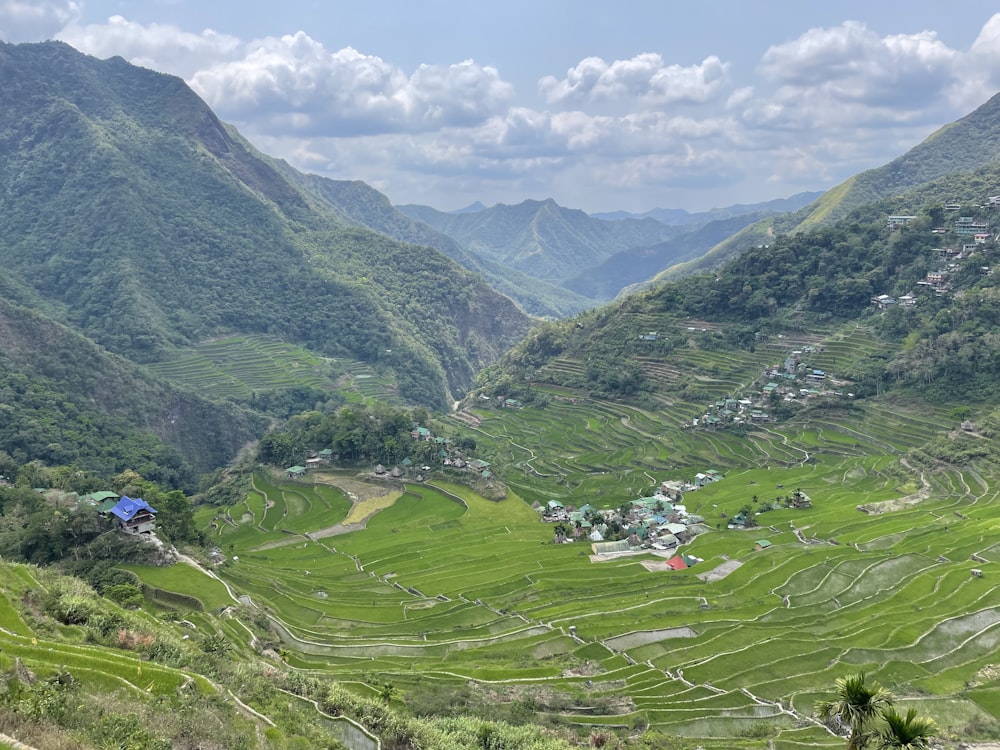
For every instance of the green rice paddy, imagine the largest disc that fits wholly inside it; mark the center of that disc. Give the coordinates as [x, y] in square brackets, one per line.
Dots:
[236, 367]
[445, 587]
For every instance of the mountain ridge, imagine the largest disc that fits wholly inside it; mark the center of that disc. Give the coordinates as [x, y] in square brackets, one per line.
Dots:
[151, 225]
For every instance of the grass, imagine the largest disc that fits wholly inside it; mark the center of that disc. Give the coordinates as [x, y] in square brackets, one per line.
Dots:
[187, 580]
[445, 583]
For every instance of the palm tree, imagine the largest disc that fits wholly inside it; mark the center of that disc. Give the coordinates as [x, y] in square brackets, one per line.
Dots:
[909, 732]
[857, 705]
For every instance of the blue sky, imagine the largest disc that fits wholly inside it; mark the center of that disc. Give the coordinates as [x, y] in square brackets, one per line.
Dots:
[601, 106]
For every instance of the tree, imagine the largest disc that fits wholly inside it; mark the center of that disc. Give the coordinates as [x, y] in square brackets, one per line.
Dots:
[857, 705]
[176, 517]
[904, 732]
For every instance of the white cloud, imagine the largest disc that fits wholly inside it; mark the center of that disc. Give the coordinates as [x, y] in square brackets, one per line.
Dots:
[987, 44]
[35, 20]
[162, 47]
[851, 63]
[817, 108]
[981, 69]
[295, 80]
[644, 79]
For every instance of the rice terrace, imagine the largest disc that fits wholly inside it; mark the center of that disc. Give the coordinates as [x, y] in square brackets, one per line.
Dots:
[435, 590]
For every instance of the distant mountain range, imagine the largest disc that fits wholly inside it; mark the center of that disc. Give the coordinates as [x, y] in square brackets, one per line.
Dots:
[680, 216]
[591, 258]
[541, 238]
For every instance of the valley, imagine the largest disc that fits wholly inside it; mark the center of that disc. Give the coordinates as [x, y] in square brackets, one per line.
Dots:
[671, 518]
[445, 596]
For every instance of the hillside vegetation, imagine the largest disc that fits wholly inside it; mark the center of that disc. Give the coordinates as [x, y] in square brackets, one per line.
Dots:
[67, 402]
[362, 205]
[144, 222]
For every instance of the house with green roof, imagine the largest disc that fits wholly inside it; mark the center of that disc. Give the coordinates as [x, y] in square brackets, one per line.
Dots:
[99, 500]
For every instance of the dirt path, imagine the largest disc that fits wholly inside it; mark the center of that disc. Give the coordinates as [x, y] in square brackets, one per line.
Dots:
[887, 506]
[16, 744]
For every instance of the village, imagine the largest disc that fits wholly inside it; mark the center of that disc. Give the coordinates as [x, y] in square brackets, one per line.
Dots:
[658, 524]
[795, 380]
[443, 454]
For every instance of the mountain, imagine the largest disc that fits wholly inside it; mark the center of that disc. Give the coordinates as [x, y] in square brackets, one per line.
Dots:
[940, 344]
[541, 238]
[66, 401]
[592, 258]
[665, 215]
[147, 224]
[361, 205]
[472, 208]
[637, 265]
[680, 216]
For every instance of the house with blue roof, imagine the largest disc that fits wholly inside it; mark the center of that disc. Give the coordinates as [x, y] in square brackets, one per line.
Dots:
[134, 515]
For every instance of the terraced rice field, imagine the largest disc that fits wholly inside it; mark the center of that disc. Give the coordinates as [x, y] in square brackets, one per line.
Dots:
[446, 588]
[238, 366]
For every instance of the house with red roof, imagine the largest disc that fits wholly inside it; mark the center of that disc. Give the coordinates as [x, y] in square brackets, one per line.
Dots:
[677, 563]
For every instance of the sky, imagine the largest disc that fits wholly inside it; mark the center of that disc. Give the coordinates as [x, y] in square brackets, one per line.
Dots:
[602, 106]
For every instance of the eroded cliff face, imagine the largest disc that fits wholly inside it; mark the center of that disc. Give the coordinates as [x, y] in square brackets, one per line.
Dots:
[487, 329]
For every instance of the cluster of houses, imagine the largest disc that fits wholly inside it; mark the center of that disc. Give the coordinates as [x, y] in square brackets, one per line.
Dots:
[746, 518]
[656, 524]
[974, 232]
[795, 379]
[446, 453]
[503, 402]
[792, 380]
[315, 460]
[730, 410]
[938, 280]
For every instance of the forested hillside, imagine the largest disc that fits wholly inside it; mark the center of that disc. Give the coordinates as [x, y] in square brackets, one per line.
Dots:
[144, 222]
[362, 205]
[67, 402]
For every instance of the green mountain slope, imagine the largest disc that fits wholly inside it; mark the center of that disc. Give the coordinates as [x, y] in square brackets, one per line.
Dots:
[362, 205]
[148, 224]
[65, 401]
[542, 238]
